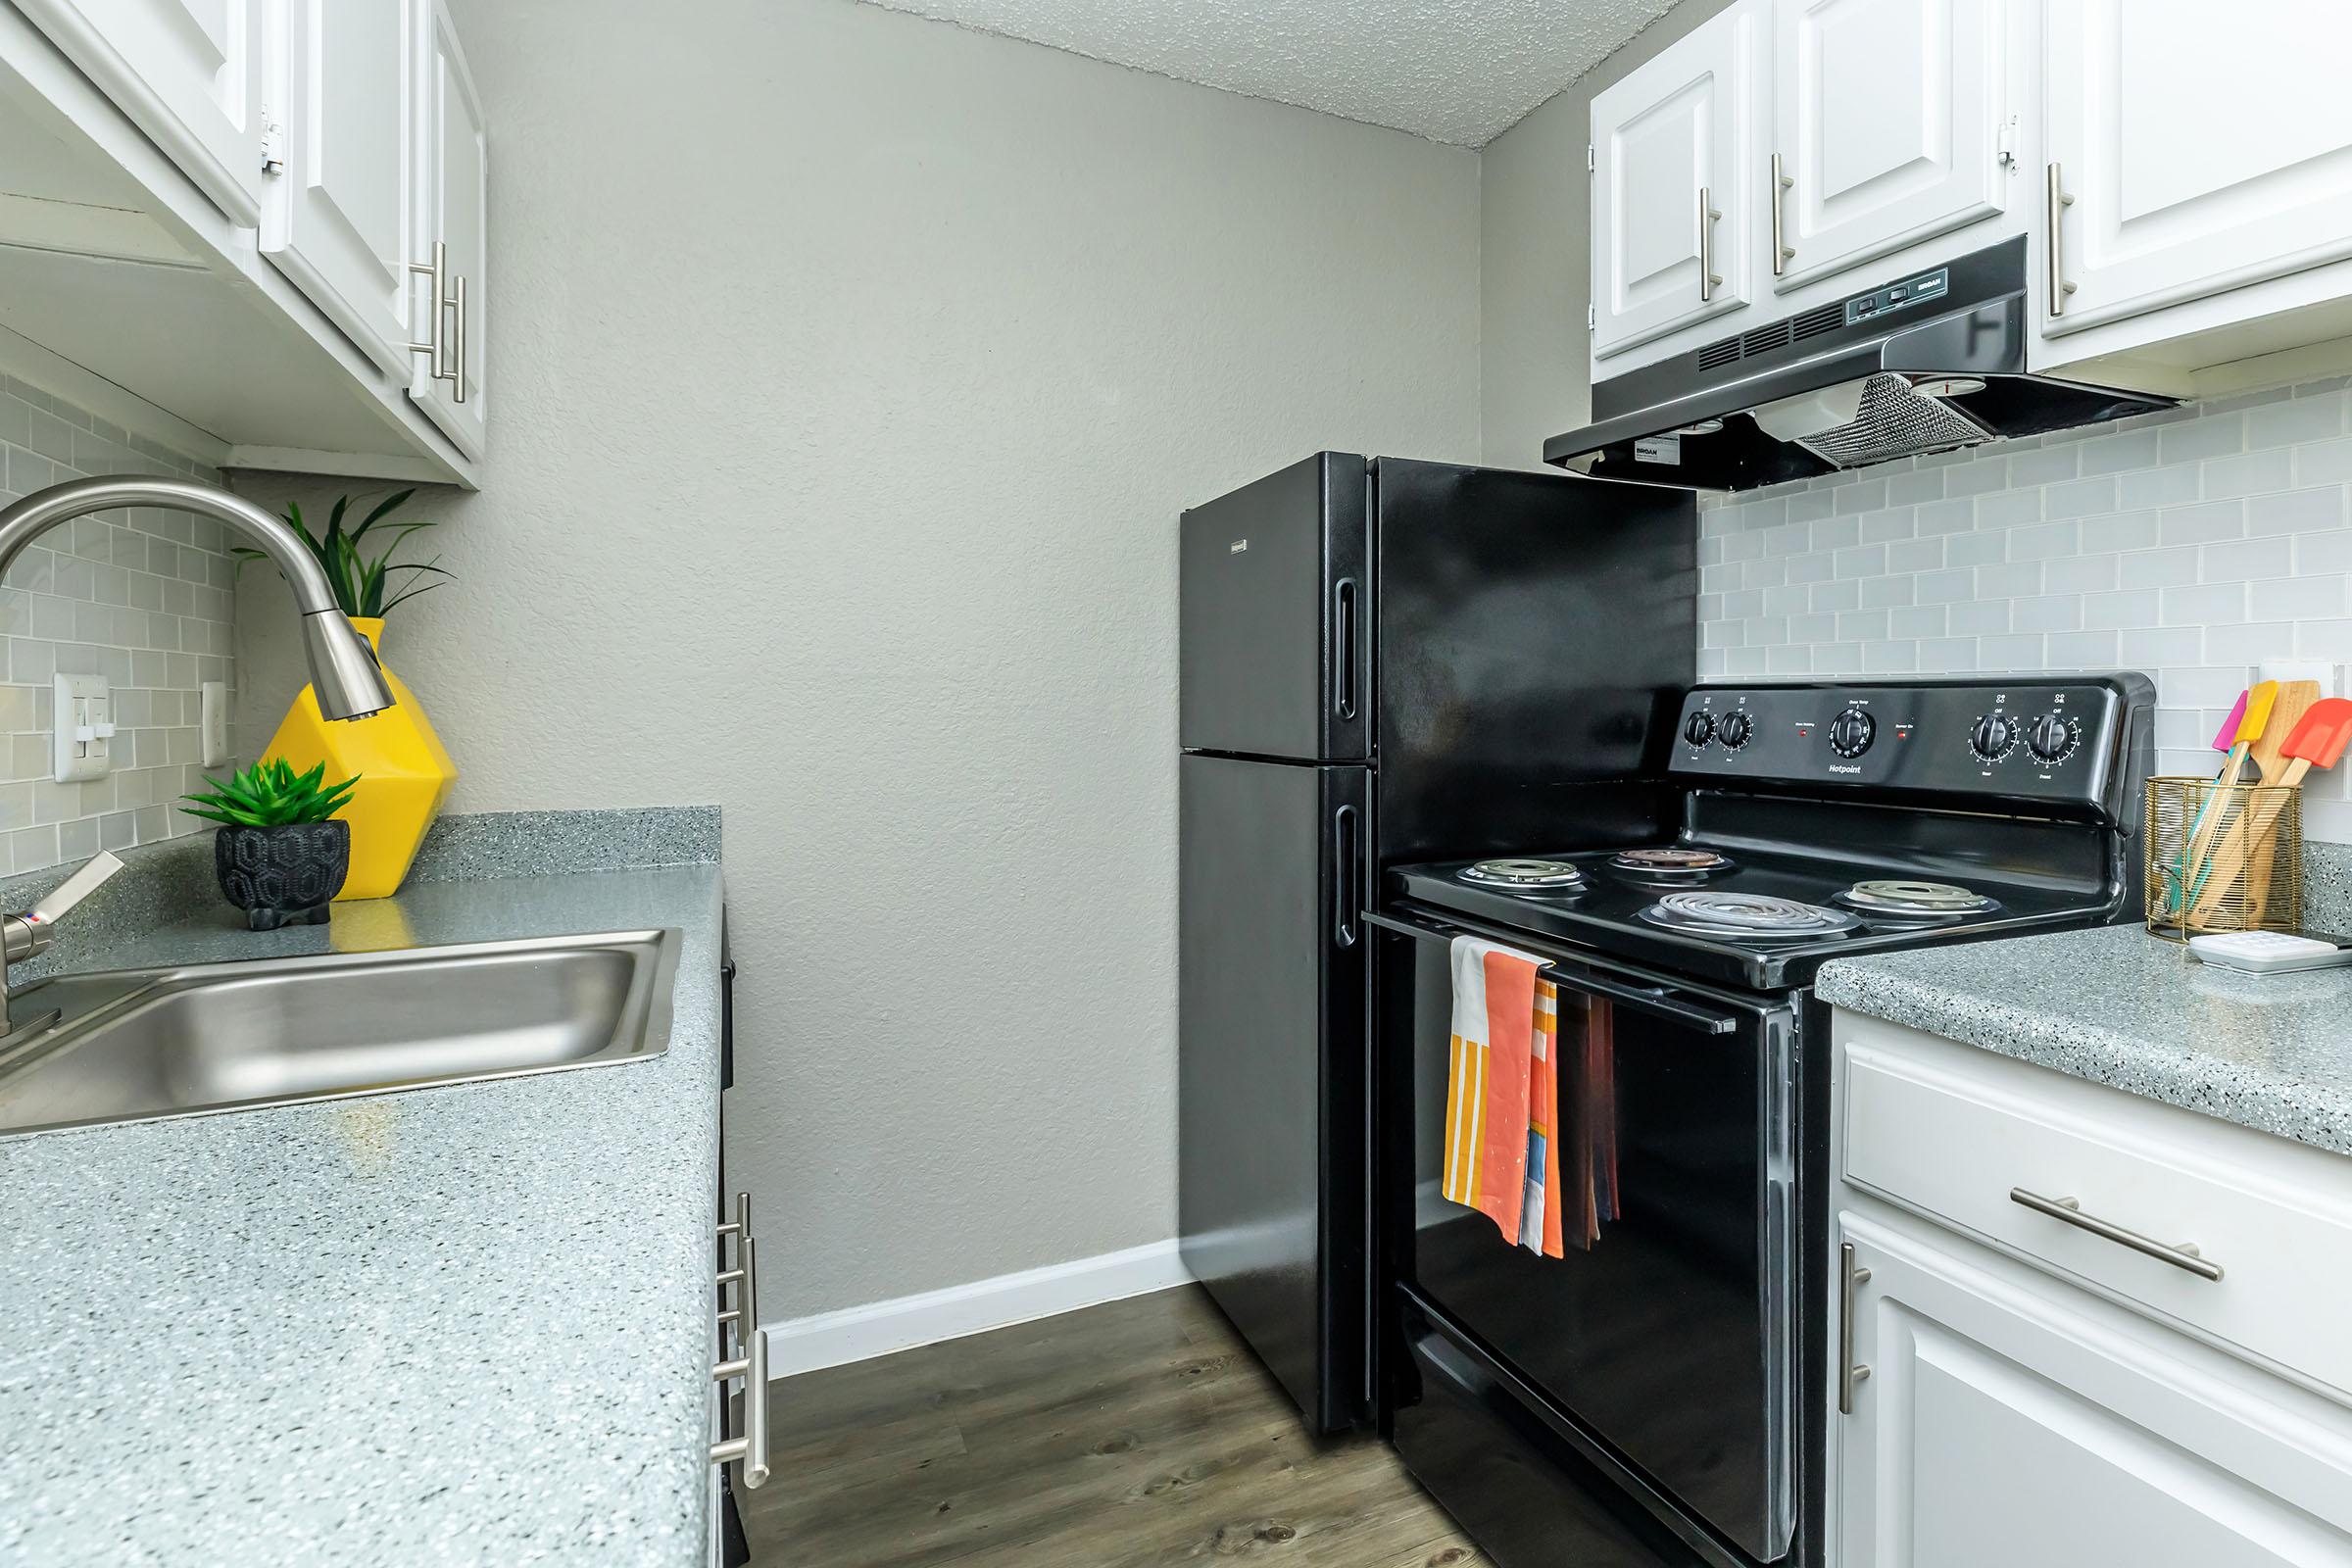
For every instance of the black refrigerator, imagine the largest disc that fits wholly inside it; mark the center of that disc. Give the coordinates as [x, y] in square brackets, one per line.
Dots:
[1381, 662]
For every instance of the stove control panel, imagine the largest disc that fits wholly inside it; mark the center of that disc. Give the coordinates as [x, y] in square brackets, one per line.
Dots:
[2053, 738]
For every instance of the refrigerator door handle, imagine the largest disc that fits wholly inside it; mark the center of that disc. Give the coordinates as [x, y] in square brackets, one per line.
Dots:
[1342, 648]
[1344, 851]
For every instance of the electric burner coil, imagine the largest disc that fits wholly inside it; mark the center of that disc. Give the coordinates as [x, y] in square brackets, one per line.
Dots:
[1673, 864]
[1907, 899]
[1746, 916]
[1523, 875]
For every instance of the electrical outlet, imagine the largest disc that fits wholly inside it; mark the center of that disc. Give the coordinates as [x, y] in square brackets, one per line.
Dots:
[215, 722]
[84, 728]
[2327, 675]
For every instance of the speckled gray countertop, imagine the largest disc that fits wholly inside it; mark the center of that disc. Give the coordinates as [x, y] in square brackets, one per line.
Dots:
[458, 1325]
[2121, 1007]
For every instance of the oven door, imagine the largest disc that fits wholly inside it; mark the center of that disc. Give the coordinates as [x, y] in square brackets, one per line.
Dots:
[1666, 1330]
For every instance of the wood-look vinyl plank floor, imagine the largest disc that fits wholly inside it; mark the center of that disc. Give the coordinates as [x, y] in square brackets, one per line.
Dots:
[1141, 1434]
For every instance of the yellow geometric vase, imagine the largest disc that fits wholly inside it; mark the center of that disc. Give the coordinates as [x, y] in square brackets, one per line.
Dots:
[404, 774]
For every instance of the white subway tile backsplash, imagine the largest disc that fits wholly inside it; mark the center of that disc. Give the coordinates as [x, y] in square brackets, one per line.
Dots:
[2048, 612]
[2246, 560]
[2324, 463]
[1976, 549]
[2297, 511]
[2080, 574]
[2079, 498]
[2191, 545]
[2207, 605]
[2214, 435]
[1977, 617]
[2201, 524]
[142, 597]
[1914, 555]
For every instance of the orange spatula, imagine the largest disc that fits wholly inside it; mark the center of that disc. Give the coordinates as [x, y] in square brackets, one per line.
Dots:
[2318, 739]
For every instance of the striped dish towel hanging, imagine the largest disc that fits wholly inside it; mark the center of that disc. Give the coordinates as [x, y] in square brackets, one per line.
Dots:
[1499, 1159]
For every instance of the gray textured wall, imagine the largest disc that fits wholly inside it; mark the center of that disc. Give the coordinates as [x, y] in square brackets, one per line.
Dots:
[852, 370]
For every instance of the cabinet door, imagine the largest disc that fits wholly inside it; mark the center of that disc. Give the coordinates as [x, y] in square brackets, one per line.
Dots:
[2202, 150]
[2007, 1422]
[341, 219]
[453, 207]
[1673, 174]
[188, 72]
[1888, 125]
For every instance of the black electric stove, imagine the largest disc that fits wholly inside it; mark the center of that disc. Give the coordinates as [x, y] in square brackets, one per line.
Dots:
[1654, 1397]
[1639, 914]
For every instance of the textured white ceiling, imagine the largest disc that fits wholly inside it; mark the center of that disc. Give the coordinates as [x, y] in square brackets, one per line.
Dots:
[1454, 70]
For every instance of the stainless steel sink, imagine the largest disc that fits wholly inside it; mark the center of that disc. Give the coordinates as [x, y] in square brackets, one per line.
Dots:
[138, 1044]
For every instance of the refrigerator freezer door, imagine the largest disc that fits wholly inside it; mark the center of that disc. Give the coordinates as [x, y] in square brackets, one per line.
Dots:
[1276, 651]
[1537, 633]
[1271, 1069]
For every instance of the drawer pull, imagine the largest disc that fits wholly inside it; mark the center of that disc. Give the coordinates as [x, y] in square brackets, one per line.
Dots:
[741, 1224]
[752, 1365]
[752, 1447]
[2184, 1256]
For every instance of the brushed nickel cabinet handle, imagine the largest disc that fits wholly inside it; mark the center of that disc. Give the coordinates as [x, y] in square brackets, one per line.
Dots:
[1849, 1372]
[457, 351]
[1708, 277]
[741, 1224]
[434, 347]
[1781, 253]
[2059, 202]
[2183, 1256]
[751, 1447]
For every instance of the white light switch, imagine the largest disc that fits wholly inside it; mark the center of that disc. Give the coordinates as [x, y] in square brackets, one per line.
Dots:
[85, 727]
[215, 722]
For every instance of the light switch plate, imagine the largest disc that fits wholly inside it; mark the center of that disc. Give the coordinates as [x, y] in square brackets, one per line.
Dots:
[84, 728]
[215, 722]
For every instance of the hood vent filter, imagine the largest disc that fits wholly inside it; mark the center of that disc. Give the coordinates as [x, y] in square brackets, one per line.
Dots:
[1888, 421]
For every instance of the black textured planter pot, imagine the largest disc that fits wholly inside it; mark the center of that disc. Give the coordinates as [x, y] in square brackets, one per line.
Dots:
[282, 875]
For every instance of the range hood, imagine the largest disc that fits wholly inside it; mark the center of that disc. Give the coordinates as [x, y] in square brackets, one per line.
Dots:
[1929, 363]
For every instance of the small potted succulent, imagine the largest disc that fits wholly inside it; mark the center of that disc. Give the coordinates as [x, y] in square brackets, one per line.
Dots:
[280, 855]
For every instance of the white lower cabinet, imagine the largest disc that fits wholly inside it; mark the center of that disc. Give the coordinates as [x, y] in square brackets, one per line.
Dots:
[2075, 1327]
[2009, 1419]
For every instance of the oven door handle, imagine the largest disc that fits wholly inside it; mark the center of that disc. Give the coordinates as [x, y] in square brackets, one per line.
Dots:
[1658, 999]
[1644, 999]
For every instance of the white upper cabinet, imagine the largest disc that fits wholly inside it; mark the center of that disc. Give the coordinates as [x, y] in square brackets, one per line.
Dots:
[188, 72]
[453, 208]
[1888, 127]
[2191, 151]
[1675, 145]
[341, 219]
[2003, 1421]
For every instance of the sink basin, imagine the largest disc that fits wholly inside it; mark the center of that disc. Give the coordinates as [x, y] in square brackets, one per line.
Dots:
[138, 1044]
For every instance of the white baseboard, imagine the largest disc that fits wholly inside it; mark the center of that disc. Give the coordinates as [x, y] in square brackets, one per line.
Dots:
[859, 1333]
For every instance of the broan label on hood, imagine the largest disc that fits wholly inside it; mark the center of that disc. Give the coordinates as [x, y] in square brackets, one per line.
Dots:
[1659, 449]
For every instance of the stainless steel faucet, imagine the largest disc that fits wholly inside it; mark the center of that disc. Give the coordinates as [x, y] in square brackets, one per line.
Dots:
[27, 935]
[343, 667]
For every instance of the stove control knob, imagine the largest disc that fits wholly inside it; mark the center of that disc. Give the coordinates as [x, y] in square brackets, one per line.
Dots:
[1699, 729]
[1851, 732]
[1734, 730]
[1993, 738]
[2053, 737]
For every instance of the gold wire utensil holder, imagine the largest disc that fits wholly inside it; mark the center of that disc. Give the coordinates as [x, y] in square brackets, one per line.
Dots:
[2223, 857]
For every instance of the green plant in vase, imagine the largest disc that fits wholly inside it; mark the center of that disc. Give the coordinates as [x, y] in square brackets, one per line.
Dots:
[361, 573]
[281, 853]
